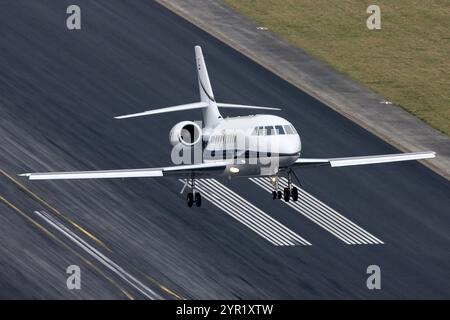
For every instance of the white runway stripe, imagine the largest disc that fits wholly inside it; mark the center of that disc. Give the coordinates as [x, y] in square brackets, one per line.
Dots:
[271, 222]
[229, 207]
[312, 214]
[323, 215]
[248, 214]
[100, 257]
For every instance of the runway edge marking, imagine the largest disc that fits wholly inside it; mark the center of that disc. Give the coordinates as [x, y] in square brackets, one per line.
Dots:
[100, 257]
[46, 204]
[60, 242]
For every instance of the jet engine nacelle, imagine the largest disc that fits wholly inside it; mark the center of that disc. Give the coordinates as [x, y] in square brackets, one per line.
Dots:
[187, 133]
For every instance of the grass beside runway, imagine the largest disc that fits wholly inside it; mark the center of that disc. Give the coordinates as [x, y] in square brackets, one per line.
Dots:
[407, 61]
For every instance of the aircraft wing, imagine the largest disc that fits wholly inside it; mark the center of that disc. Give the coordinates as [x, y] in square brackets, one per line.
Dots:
[181, 171]
[356, 161]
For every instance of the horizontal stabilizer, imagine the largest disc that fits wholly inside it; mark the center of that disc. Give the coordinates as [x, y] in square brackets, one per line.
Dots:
[189, 106]
[241, 106]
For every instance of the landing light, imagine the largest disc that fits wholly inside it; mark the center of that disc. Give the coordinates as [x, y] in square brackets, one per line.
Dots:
[234, 170]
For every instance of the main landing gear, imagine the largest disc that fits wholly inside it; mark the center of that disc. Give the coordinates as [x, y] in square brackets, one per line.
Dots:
[194, 196]
[288, 192]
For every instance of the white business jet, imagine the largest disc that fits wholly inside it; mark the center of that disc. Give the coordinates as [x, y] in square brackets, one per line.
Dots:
[271, 147]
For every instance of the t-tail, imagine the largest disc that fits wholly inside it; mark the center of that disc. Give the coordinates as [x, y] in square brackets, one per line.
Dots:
[208, 104]
[211, 114]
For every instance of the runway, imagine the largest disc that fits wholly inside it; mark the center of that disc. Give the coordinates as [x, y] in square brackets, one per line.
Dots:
[135, 238]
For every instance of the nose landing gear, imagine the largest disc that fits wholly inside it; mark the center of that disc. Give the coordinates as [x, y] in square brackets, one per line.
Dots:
[276, 194]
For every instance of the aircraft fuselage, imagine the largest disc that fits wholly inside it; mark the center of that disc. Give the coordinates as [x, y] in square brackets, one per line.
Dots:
[252, 145]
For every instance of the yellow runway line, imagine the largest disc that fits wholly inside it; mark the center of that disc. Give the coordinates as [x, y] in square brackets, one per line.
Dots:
[42, 201]
[162, 287]
[51, 235]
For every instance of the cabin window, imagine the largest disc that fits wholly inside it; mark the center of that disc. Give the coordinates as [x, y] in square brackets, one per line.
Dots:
[255, 131]
[279, 129]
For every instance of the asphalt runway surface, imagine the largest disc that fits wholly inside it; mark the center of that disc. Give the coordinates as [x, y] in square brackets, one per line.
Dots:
[135, 238]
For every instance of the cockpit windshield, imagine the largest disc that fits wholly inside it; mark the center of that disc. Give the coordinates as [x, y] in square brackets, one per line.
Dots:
[273, 130]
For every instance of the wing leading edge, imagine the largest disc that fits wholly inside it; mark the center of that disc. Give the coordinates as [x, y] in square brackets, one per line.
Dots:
[181, 170]
[356, 161]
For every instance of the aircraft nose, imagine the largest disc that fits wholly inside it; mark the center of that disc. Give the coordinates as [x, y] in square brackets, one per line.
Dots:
[292, 144]
[298, 144]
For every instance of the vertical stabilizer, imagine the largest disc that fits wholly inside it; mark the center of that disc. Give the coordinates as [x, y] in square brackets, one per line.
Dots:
[211, 114]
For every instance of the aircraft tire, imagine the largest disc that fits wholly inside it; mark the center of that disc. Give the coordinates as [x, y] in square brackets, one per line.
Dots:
[287, 194]
[294, 194]
[198, 199]
[190, 199]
